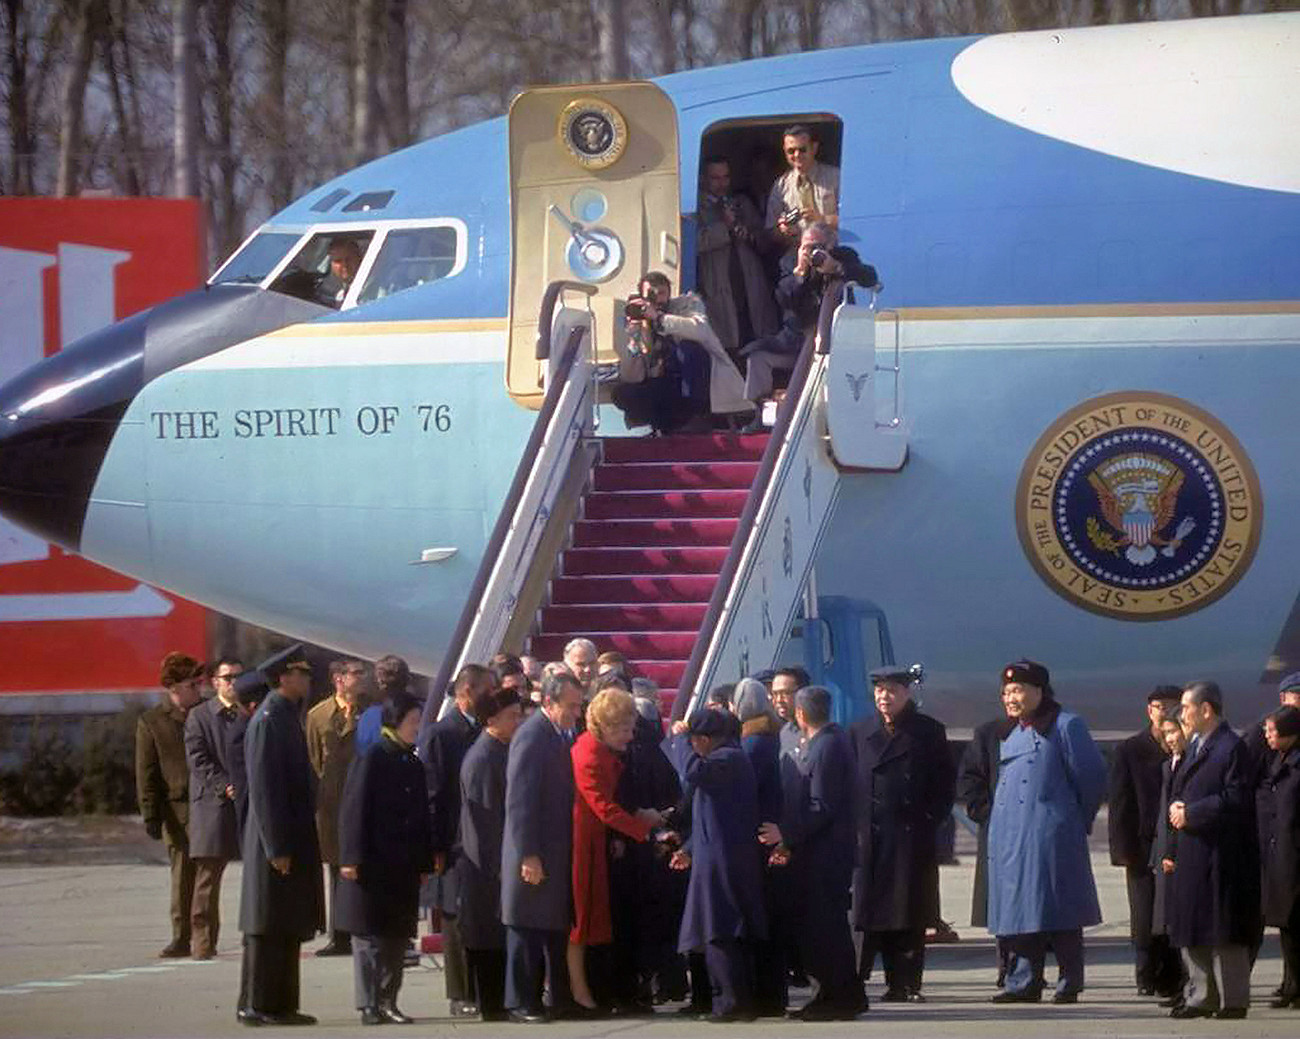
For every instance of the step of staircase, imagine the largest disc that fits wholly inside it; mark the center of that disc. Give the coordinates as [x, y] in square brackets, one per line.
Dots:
[675, 476]
[653, 533]
[641, 589]
[602, 505]
[639, 645]
[715, 447]
[595, 620]
[611, 562]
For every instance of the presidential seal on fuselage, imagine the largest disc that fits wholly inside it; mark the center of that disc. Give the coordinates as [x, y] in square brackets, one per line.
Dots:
[1139, 506]
[593, 132]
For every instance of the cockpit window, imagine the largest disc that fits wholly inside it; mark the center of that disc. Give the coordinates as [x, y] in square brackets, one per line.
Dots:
[256, 259]
[325, 267]
[409, 257]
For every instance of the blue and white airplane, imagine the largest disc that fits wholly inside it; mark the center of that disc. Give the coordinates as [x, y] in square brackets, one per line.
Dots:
[1090, 244]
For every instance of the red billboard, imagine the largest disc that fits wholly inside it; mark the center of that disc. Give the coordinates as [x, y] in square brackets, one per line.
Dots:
[67, 268]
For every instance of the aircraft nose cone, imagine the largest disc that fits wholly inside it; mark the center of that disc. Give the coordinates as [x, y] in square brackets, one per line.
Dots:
[56, 421]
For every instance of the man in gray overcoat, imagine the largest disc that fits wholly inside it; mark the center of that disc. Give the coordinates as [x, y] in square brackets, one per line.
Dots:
[1051, 779]
[736, 289]
[282, 902]
[214, 833]
[537, 852]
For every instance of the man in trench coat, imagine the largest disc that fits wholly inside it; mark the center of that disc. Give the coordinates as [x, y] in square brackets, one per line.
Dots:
[1134, 808]
[214, 833]
[1051, 779]
[1214, 898]
[282, 900]
[905, 789]
[537, 853]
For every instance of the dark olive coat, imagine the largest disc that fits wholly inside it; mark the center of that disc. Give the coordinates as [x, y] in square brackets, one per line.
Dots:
[214, 831]
[977, 779]
[281, 821]
[905, 784]
[1278, 801]
[162, 775]
[1134, 799]
[1214, 897]
[331, 746]
[482, 826]
[539, 821]
[384, 832]
[724, 896]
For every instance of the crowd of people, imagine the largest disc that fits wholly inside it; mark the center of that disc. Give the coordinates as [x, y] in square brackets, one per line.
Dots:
[585, 857]
[761, 275]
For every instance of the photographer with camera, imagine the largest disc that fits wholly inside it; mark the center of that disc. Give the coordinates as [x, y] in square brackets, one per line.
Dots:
[730, 271]
[807, 193]
[673, 372]
[806, 275]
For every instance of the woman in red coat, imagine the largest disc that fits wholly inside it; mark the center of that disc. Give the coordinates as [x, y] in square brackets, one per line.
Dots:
[611, 720]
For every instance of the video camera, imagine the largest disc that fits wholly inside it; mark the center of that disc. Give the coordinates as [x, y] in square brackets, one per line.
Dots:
[635, 308]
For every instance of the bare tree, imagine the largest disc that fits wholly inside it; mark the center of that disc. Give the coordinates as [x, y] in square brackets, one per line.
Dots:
[226, 216]
[84, 18]
[185, 32]
[365, 102]
[17, 48]
[396, 79]
[275, 41]
[611, 35]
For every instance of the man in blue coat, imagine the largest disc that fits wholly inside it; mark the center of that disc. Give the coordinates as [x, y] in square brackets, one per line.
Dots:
[820, 833]
[724, 898]
[1214, 899]
[537, 853]
[1051, 778]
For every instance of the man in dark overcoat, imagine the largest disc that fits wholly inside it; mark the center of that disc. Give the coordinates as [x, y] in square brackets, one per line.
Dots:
[442, 750]
[1278, 809]
[282, 902]
[162, 783]
[214, 835]
[537, 853]
[904, 793]
[1135, 806]
[820, 832]
[1214, 901]
[724, 896]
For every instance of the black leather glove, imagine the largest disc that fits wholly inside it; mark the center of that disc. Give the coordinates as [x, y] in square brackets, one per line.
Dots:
[153, 828]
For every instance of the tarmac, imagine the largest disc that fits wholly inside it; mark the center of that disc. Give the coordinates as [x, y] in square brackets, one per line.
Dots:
[79, 945]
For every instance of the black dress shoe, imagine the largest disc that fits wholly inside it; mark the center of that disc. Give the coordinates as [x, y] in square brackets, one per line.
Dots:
[819, 1010]
[251, 1018]
[395, 1017]
[1063, 998]
[463, 1008]
[1230, 1014]
[371, 1016]
[526, 1017]
[334, 948]
[1029, 995]
[175, 951]
[1282, 1002]
[894, 995]
[1186, 1013]
[1146, 990]
[1176, 1000]
[577, 1012]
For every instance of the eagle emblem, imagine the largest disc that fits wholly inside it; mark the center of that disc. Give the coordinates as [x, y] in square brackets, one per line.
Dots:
[1138, 496]
[856, 382]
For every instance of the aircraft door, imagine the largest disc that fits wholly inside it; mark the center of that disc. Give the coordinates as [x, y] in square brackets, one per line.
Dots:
[594, 198]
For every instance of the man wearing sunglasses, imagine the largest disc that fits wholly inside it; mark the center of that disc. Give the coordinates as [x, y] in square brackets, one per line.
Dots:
[807, 193]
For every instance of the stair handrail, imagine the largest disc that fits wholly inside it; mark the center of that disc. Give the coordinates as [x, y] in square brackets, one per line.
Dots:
[505, 518]
[819, 344]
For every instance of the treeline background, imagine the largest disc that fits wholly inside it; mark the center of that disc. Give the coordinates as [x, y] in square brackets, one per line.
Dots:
[249, 103]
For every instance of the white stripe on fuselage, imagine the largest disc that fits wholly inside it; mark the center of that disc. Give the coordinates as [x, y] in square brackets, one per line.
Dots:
[1205, 97]
[363, 344]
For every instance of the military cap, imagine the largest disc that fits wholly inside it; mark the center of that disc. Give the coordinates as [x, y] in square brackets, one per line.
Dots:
[250, 687]
[1290, 684]
[1027, 672]
[177, 668]
[1164, 693]
[292, 659]
[897, 674]
[712, 723]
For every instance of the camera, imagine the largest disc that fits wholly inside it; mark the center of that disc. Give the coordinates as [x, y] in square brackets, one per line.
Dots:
[791, 216]
[818, 256]
[635, 308]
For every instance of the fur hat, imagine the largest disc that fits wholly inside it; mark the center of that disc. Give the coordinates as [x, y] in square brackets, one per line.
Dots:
[177, 668]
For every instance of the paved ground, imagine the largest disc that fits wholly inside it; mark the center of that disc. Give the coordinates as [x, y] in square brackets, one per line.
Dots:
[78, 947]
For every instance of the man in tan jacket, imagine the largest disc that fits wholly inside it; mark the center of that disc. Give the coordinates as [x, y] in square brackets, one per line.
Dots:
[162, 781]
[331, 733]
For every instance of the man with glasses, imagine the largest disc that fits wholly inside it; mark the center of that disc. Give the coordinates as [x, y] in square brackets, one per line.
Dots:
[162, 782]
[213, 828]
[808, 193]
[331, 746]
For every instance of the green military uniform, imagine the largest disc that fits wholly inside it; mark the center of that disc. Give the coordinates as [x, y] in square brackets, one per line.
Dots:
[162, 780]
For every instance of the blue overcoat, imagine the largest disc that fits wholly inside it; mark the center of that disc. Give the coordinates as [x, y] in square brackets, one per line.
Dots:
[724, 897]
[539, 821]
[1051, 779]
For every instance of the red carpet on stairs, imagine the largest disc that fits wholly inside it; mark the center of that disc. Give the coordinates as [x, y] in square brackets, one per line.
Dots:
[648, 548]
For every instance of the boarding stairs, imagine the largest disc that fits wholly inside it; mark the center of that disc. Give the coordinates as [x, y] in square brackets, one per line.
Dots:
[691, 555]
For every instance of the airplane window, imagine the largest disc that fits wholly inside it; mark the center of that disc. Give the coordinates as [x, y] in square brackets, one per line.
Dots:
[410, 257]
[371, 200]
[330, 200]
[256, 259]
[324, 267]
